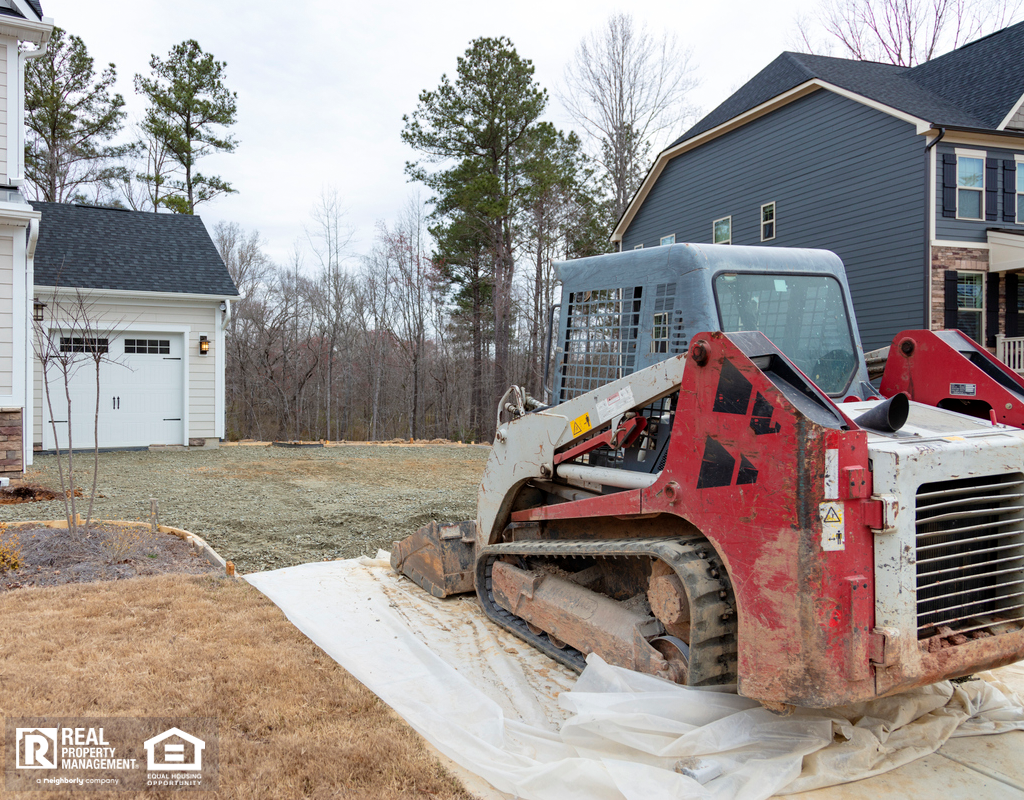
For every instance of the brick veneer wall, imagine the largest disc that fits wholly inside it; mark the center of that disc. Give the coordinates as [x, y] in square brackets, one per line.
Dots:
[961, 259]
[10, 440]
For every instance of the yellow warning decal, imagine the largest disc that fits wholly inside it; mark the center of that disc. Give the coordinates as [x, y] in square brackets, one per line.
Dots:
[833, 532]
[581, 425]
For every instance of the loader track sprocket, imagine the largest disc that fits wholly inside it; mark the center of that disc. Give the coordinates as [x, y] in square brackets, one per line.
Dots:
[712, 645]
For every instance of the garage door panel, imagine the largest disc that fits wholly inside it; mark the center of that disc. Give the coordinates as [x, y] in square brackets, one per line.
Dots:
[141, 395]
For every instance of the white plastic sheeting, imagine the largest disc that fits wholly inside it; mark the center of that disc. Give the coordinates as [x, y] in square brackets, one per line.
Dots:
[533, 729]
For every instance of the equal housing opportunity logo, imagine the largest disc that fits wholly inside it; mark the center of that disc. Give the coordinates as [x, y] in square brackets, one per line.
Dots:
[130, 753]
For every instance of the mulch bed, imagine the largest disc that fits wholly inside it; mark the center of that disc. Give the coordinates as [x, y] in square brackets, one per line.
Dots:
[108, 552]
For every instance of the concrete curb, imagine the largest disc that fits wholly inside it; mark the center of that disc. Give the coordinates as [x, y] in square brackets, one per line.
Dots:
[197, 542]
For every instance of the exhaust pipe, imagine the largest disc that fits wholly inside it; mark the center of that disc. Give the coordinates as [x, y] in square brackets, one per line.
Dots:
[889, 416]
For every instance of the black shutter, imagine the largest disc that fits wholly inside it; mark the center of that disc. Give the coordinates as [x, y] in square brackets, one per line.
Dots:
[949, 187]
[991, 189]
[1010, 295]
[991, 308]
[1010, 195]
[949, 315]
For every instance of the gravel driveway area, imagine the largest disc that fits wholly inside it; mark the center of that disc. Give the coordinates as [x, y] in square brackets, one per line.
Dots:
[267, 507]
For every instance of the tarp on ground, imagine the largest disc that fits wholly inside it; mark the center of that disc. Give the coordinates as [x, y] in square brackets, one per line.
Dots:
[536, 730]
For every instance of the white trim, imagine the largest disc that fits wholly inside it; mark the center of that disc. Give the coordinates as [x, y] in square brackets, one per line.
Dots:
[804, 89]
[1007, 253]
[774, 221]
[15, 125]
[976, 155]
[1013, 112]
[635, 247]
[28, 30]
[957, 243]
[979, 139]
[219, 367]
[667, 239]
[132, 293]
[715, 222]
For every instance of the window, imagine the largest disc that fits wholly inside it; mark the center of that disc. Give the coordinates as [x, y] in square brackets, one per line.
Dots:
[1020, 191]
[721, 230]
[767, 221]
[150, 346]
[659, 338]
[970, 186]
[76, 344]
[970, 304]
[804, 315]
[670, 239]
[638, 247]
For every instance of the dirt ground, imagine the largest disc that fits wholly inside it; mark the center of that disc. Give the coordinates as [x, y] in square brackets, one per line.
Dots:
[291, 722]
[266, 507]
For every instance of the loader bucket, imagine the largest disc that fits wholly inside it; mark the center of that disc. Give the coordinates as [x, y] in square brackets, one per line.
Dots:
[439, 557]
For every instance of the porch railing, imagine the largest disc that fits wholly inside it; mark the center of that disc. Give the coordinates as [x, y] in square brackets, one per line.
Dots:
[1010, 350]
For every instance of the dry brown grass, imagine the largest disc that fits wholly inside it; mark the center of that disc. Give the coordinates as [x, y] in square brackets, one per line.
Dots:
[293, 724]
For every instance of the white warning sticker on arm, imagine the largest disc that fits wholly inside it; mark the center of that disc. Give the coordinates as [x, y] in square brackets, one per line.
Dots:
[833, 533]
[616, 403]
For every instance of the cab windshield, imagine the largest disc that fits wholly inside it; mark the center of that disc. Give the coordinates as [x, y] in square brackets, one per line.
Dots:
[804, 316]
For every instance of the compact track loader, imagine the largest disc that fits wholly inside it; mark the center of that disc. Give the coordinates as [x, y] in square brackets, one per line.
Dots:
[717, 495]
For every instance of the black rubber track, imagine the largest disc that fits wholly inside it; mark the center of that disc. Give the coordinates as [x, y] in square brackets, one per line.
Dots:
[712, 613]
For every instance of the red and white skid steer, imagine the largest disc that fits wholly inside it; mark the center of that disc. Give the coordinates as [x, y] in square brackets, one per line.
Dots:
[717, 495]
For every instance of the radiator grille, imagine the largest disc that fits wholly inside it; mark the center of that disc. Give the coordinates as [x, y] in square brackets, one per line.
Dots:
[970, 554]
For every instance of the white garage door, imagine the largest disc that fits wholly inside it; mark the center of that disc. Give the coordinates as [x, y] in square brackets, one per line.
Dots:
[141, 394]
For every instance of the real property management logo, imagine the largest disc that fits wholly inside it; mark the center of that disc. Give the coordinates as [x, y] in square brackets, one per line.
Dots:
[115, 753]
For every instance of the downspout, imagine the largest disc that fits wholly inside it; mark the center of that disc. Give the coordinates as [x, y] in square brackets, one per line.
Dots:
[929, 191]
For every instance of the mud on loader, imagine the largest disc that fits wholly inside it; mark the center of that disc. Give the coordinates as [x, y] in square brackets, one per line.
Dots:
[717, 495]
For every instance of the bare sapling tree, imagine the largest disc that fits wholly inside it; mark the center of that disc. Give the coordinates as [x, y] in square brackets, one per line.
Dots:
[901, 32]
[95, 343]
[626, 89]
[68, 342]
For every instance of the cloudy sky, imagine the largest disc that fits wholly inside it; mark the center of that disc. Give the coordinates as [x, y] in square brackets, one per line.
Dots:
[322, 86]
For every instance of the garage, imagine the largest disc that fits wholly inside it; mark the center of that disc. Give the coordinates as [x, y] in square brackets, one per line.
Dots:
[142, 391]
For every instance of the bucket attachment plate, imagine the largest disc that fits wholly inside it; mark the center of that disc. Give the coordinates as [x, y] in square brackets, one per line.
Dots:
[439, 557]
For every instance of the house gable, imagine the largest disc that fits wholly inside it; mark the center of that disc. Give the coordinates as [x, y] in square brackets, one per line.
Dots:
[88, 247]
[840, 173]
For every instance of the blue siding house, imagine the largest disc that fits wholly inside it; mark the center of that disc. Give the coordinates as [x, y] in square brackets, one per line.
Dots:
[913, 176]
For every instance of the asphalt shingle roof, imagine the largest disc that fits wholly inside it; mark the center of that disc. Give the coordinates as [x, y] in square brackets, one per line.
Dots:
[975, 86]
[103, 248]
[36, 6]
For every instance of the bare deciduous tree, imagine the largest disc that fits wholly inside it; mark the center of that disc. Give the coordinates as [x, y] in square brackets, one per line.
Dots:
[626, 88]
[901, 32]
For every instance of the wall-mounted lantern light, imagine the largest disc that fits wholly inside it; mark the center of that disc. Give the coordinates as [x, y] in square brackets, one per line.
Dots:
[38, 310]
[204, 346]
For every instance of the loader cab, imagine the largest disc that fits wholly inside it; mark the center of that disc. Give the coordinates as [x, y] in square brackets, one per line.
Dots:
[623, 312]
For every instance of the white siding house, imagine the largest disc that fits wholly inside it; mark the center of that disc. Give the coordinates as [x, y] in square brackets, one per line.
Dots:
[21, 21]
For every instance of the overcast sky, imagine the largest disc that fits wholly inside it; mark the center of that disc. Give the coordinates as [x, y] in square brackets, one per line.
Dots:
[322, 86]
